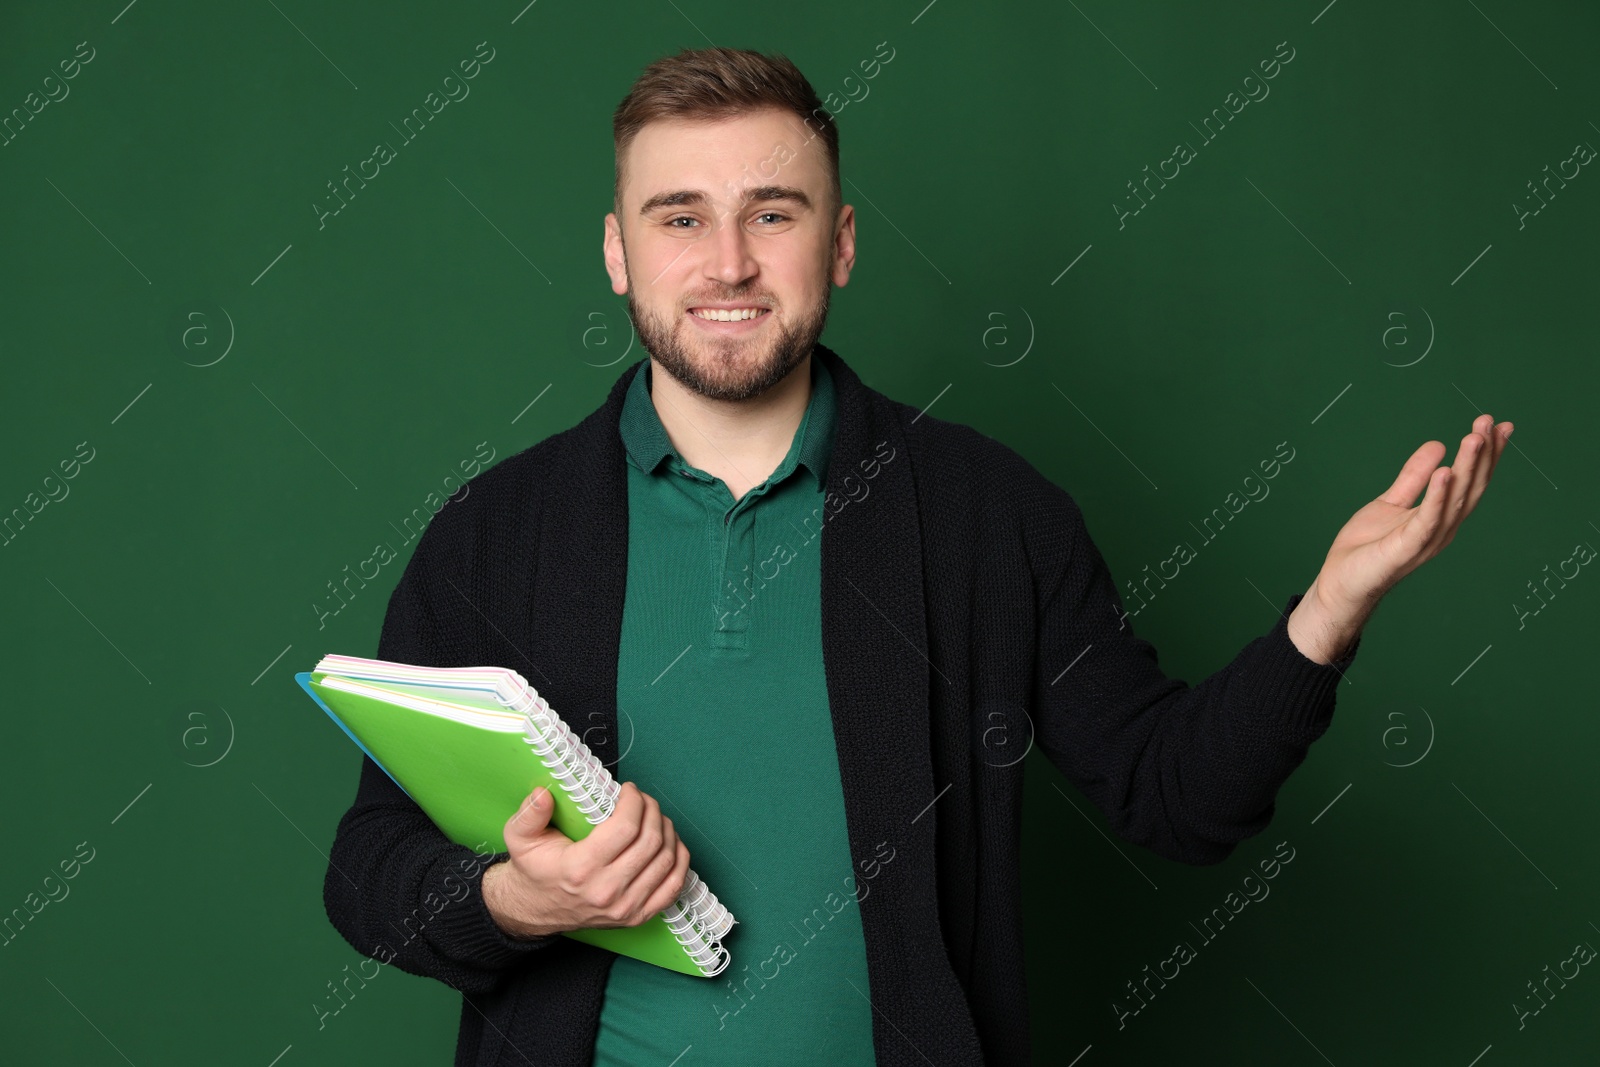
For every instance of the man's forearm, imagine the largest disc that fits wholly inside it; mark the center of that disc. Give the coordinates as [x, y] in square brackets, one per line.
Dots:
[396, 886]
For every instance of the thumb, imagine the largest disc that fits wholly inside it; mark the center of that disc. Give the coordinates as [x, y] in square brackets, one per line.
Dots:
[533, 816]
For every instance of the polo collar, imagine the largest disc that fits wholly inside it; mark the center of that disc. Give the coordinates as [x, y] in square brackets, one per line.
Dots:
[647, 443]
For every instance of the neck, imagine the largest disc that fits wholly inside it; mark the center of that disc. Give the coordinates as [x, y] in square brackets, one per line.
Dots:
[740, 441]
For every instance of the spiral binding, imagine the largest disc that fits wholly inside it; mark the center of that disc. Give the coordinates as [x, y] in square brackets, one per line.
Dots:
[696, 918]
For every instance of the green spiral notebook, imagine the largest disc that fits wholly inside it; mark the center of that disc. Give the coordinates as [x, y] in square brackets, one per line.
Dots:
[468, 744]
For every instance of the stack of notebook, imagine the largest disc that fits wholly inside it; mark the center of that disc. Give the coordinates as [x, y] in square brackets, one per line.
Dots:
[469, 744]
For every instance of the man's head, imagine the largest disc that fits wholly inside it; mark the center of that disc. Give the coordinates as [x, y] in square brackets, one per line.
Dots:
[727, 196]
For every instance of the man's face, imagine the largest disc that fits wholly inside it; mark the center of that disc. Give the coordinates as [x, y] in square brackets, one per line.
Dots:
[728, 214]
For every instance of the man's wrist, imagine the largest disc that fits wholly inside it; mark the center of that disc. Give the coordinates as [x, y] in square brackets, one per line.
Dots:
[1323, 635]
[501, 898]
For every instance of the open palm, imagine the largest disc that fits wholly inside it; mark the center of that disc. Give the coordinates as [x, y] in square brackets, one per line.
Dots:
[1389, 538]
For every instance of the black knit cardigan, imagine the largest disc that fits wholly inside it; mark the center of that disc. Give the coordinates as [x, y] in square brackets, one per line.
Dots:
[966, 616]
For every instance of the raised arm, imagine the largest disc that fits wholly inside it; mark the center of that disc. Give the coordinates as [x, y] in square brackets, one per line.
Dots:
[1188, 772]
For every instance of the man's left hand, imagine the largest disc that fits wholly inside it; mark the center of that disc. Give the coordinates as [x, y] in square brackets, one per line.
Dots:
[1389, 538]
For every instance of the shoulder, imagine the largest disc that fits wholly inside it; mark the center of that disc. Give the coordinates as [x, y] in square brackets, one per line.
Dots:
[1004, 472]
[1002, 492]
[507, 480]
[497, 510]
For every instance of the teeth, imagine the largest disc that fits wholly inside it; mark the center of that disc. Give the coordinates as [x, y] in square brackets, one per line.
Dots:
[732, 315]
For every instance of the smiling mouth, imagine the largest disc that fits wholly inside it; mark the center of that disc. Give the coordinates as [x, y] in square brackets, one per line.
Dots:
[729, 314]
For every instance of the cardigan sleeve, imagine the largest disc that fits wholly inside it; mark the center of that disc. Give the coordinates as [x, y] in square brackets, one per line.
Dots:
[396, 887]
[1187, 772]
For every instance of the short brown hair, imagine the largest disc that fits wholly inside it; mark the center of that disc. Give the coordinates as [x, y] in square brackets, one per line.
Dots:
[718, 83]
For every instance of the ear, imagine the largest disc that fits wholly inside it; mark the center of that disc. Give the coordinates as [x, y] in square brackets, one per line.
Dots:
[615, 255]
[844, 245]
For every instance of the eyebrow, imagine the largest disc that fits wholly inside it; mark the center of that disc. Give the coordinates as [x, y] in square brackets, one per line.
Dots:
[695, 198]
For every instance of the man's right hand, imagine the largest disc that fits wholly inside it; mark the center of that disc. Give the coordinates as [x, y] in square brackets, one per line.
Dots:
[629, 868]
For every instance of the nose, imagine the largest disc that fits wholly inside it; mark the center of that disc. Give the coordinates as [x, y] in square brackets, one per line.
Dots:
[728, 254]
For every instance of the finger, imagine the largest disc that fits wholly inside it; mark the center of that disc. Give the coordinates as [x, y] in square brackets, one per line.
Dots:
[671, 843]
[1483, 466]
[659, 870]
[531, 818]
[653, 883]
[667, 892]
[645, 847]
[1501, 437]
[670, 834]
[1483, 471]
[1467, 477]
[1430, 515]
[1413, 477]
[1483, 426]
[1463, 474]
[620, 829]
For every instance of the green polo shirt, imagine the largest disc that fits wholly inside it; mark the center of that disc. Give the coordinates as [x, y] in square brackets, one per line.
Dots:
[724, 720]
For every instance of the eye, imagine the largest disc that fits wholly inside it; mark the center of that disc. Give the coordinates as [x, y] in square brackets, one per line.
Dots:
[670, 223]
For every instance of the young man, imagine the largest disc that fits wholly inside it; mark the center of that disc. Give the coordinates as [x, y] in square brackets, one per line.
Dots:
[790, 613]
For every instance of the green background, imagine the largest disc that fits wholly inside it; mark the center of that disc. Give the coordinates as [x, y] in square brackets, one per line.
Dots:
[1284, 287]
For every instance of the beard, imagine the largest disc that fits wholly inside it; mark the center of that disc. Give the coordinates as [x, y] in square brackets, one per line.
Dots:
[728, 368]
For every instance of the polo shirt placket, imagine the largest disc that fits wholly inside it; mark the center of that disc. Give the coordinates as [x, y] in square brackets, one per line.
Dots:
[726, 723]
